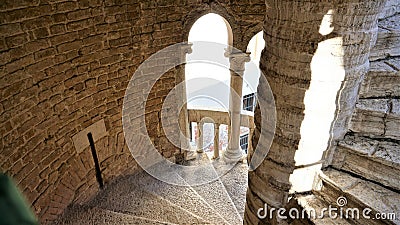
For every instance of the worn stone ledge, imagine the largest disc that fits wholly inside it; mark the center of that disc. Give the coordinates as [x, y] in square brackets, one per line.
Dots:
[382, 80]
[388, 40]
[373, 159]
[378, 118]
[359, 194]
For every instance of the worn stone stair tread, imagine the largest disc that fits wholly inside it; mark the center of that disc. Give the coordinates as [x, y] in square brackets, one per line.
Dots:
[388, 39]
[126, 196]
[368, 194]
[235, 182]
[382, 79]
[378, 118]
[182, 196]
[385, 152]
[129, 219]
[219, 200]
[215, 194]
[377, 160]
[309, 203]
[98, 216]
[391, 8]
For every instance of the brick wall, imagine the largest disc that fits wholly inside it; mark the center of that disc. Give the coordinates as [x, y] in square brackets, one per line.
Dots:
[65, 65]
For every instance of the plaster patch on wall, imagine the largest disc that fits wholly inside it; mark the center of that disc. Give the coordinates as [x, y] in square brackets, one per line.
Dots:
[98, 131]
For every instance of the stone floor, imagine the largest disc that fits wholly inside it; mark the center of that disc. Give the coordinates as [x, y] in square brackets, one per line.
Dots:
[142, 199]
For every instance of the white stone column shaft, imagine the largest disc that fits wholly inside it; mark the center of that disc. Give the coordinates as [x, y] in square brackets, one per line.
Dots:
[200, 137]
[216, 141]
[237, 65]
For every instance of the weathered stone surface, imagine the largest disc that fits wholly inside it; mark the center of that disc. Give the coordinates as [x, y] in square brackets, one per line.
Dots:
[392, 121]
[382, 80]
[369, 116]
[373, 159]
[140, 199]
[299, 59]
[377, 118]
[103, 216]
[388, 40]
[235, 182]
[313, 207]
[391, 7]
[360, 194]
[66, 64]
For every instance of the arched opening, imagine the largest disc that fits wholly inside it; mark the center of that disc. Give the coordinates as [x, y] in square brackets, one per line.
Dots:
[252, 70]
[208, 81]
[250, 82]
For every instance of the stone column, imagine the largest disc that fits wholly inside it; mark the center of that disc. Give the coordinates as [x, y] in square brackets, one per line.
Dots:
[315, 57]
[200, 126]
[250, 146]
[216, 141]
[184, 49]
[237, 65]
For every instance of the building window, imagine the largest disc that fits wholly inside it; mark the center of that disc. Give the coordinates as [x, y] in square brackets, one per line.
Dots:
[249, 102]
[244, 142]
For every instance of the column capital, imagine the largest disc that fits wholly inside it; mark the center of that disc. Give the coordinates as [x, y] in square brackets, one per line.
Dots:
[237, 60]
[183, 49]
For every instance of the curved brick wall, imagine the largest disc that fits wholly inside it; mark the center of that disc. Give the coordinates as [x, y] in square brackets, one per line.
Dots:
[65, 65]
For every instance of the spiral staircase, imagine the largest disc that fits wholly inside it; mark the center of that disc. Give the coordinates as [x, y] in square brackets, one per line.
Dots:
[142, 199]
[366, 165]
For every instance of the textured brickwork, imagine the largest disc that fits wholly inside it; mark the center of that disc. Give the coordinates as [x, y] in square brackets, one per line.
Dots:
[65, 65]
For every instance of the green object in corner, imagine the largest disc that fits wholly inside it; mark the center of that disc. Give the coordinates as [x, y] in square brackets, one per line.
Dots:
[13, 207]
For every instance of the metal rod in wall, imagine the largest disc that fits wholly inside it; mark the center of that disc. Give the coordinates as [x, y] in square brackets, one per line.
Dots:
[96, 160]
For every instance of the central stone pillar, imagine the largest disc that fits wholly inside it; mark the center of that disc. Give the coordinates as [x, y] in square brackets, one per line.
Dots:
[315, 57]
[200, 127]
[237, 65]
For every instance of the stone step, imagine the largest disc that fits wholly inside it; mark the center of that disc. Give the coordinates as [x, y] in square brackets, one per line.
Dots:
[373, 159]
[184, 197]
[391, 8]
[382, 79]
[215, 193]
[315, 211]
[235, 182]
[377, 118]
[388, 40]
[127, 196]
[148, 200]
[98, 216]
[348, 193]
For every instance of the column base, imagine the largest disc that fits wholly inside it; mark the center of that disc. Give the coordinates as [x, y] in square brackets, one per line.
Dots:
[190, 155]
[232, 155]
[199, 150]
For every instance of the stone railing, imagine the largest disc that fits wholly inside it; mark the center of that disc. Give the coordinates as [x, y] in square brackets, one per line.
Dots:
[217, 118]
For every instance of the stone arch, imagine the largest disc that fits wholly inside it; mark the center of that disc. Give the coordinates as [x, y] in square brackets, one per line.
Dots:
[196, 14]
[250, 33]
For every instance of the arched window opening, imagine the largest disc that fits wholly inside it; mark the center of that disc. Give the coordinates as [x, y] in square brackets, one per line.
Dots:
[208, 82]
[250, 82]
[252, 72]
